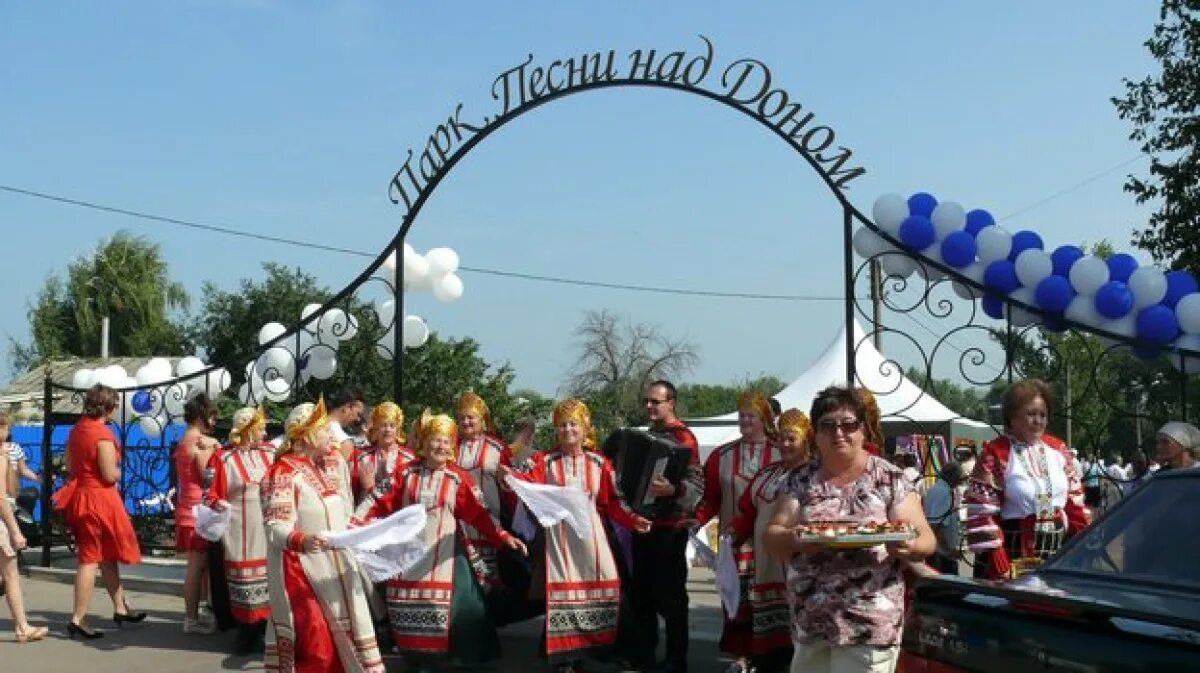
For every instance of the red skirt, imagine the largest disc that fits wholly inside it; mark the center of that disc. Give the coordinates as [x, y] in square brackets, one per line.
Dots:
[98, 521]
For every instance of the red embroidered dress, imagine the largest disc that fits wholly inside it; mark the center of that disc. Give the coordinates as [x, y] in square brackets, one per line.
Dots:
[237, 476]
[728, 473]
[376, 466]
[583, 589]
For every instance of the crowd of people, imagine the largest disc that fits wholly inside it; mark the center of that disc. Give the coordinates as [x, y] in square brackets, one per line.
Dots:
[802, 605]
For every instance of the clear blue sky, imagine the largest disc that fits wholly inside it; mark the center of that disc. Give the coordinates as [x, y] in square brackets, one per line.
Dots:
[289, 119]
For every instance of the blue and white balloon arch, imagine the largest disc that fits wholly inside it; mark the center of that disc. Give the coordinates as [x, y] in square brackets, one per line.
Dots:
[1018, 279]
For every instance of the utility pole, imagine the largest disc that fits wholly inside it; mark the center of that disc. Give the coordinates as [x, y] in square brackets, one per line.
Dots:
[104, 337]
[876, 277]
[1067, 372]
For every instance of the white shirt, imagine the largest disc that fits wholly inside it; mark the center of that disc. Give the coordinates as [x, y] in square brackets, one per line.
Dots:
[15, 453]
[339, 435]
[1021, 487]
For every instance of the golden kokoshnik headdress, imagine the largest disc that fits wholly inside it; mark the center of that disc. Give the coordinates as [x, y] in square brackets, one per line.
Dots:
[576, 410]
[246, 420]
[432, 425]
[304, 422]
[794, 420]
[386, 412]
[761, 406]
[470, 403]
[872, 429]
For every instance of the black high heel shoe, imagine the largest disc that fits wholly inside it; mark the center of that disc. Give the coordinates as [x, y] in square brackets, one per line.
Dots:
[74, 629]
[128, 617]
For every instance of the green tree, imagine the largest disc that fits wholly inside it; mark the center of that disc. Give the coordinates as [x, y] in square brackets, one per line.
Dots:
[969, 401]
[126, 280]
[698, 400]
[1164, 109]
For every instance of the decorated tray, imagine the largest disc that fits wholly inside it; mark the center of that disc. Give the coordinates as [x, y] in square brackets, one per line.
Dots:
[853, 535]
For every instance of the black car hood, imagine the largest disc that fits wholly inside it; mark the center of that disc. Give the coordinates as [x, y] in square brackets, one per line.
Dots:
[1123, 594]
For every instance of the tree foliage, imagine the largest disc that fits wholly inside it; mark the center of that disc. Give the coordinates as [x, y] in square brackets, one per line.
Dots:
[124, 279]
[697, 400]
[1164, 109]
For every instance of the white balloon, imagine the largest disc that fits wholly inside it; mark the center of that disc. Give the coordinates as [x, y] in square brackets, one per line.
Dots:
[299, 344]
[188, 366]
[276, 362]
[386, 345]
[306, 313]
[1087, 274]
[174, 397]
[414, 332]
[321, 364]
[867, 243]
[83, 379]
[1187, 311]
[889, 212]
[1019, 316]
[447, 288]
[948, 217]
[416, 273]
[898, 265]
[386, 312]
[152, 426]
[389, 262]
[160, 369]
[1149, 286]
[217, 382]
[1082, 310]
[1033, 266]
[442, 261]
[408, 250]
[276, 388]
[269, 332]
[965, 291]
[336, 325]
[930, 272]
[1188, 364]
[993, 243]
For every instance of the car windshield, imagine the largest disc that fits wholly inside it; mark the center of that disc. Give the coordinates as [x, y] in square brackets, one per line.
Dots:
[1155, 535]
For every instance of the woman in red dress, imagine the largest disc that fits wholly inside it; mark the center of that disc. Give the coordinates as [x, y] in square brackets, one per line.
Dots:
[195, 449]
[95, 513]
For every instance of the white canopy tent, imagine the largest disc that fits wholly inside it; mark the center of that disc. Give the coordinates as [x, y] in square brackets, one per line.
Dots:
[900, 401]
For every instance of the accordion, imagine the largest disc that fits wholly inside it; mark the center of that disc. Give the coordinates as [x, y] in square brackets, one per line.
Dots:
[638, 457]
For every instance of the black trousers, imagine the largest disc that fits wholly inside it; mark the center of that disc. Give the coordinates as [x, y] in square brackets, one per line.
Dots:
[659, 587]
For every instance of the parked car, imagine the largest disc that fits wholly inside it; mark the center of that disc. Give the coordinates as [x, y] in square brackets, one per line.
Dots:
[1123, 595]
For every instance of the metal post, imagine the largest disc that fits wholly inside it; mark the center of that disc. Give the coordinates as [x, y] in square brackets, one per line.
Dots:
[877, 303]
[104, 337]
[47, 462]
[397, 324]
[1067, 402]
[848, 272]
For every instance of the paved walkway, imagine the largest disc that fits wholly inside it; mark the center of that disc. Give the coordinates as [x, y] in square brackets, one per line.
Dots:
[159, 646]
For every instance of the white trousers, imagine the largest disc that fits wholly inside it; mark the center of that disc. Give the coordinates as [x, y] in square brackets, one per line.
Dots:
[821, 657]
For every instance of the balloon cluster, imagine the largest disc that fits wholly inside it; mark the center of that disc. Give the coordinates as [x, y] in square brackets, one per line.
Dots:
[434, 271]
[156, 403]
[310, 353]
[1117, 295]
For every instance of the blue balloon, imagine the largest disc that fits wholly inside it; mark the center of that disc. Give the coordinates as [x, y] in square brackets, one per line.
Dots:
[921, 204]
[917, 232]
[1114, 299]
[1054, 324]
[1022, 241]
[1001, 275]
[993, 306]
[958, 249]
[1179, 285]
[978, 220]
[1121, 266]
[1054, 293]
[1063, 257]
[1147, 353]
[141, 401]
[1157, 324]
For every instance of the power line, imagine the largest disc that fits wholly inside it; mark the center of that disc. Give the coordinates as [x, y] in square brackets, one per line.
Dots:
[361, 253]
[1079, 185]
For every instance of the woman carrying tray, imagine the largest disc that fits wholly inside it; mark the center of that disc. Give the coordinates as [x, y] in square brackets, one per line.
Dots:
[847, 604]
[728, 472]
[770, 641]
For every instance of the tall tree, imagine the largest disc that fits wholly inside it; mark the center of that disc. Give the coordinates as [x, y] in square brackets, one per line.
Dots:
[617, 358]
[1164, 109]
[126, 280]
[697, 400]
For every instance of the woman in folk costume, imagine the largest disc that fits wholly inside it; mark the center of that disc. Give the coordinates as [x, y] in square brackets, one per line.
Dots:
[583, 589]
[727, 475]
[436, 607]
[771, 635]
[237, 472]
[320, 621]
[374, 465]
[481, 454]
[1024, 497]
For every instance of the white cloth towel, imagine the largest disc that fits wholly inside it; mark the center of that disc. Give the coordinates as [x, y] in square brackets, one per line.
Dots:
[210, 523]
[388, 547]
[728, 584]
[553, 504]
